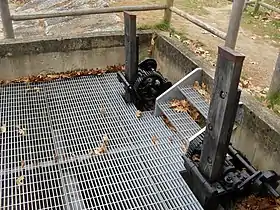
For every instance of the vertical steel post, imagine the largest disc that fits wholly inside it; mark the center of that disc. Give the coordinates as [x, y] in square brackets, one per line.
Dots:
[6, 19]
[130, 47]
[222, 112]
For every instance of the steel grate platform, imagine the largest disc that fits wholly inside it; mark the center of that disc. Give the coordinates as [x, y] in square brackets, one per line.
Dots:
[50, 133]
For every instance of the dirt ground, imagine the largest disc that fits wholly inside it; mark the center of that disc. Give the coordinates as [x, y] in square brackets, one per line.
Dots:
[261, 53]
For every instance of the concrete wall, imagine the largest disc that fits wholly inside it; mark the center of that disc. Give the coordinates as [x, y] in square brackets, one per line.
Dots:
[31, 57]
[174, 59]
[258, 135]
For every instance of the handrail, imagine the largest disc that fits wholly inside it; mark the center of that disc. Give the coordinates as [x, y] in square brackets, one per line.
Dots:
[92, 11]
[199, 23]
[268, 6]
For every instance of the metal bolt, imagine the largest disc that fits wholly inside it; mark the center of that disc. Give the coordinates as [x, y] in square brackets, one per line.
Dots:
[210, 127]
[223, 94]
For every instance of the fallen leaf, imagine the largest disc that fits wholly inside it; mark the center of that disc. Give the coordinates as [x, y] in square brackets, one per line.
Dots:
[22, 131]
[22, 164]
[168, 123]
[100, 150]
[184, 106]
[3, 128]
[138, 114]
[196, 158]
[20, 180]
[184, 148]
[53, 76]
[203, 90]
[154, 140]
[63, 75]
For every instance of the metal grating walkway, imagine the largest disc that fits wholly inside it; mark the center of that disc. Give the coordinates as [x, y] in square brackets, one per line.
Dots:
[48, 139]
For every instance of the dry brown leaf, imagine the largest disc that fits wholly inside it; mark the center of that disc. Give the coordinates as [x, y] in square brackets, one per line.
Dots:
[22, 163]
[196, 85]
[203, 90]
[53, 76]
[196, 158]
[3, 128]
[154, 140]
[184, 106]
[138, 114]
[63, 75]
[253, 202]
[168, 123]
[100, 150]
[184, 148]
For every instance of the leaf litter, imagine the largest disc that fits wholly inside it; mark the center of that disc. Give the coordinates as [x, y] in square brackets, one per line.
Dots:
[63, 75]
[184, 106]
[21, 131]
[168, 123]
[257, 203]
[154, 140]
[203, 90]
[103, 147]
[138, 114]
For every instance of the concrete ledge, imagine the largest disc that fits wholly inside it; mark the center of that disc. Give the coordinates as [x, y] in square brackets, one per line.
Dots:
[29, 46]
[20, 58]
[258, 135]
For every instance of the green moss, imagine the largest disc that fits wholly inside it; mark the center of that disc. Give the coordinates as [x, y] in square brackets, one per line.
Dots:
[162, 26]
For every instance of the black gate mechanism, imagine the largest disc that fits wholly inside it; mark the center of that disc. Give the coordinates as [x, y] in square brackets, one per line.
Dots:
[148, 86]
[142, 82]
[216, 172]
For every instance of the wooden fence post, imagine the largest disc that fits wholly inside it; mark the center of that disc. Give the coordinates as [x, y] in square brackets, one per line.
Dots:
[6, 19]
[222, 112]
[234, 23]
[275, 81]
[257, 7]
[168, 12]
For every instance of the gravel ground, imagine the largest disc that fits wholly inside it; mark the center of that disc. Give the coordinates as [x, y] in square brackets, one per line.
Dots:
[66, 25]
